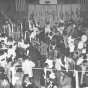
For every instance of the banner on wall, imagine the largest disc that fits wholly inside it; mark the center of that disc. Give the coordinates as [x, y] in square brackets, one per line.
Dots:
[52, 13]
[20, 5]
[48, 1]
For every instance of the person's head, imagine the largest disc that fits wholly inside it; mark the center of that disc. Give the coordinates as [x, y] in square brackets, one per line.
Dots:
[84, 38]
[20, 59]
[26, 58]
[51, 33]
[10, 46]
[47, 24]
[6, 50]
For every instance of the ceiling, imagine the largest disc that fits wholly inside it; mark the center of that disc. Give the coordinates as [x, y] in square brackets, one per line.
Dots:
[59, 1]
[37, 1]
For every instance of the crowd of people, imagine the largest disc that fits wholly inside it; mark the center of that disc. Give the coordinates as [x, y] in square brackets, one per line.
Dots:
[53, 56]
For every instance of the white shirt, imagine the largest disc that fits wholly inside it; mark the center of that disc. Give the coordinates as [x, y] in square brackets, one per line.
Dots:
[27, 66]
[84, 38]
[11, 52]
[30, 25]
[60, 29]
[52, 75]
[49, 62]
[58, 64]
[3, 61]
[84, 50]
[80, 45]
[70, 40]
[10, 43]
[80, 60]
[33, 35]
[71, 44]
[5, 40]
[21, 44]
[47, 30]
[72, 47]
[14, 77]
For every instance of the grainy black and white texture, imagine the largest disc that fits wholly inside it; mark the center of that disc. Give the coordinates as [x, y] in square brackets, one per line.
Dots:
[43, 43]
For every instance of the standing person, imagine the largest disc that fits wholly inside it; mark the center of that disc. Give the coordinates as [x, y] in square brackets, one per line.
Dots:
[27, 66]
[13, 76]
[47, 28]
[9, 65]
